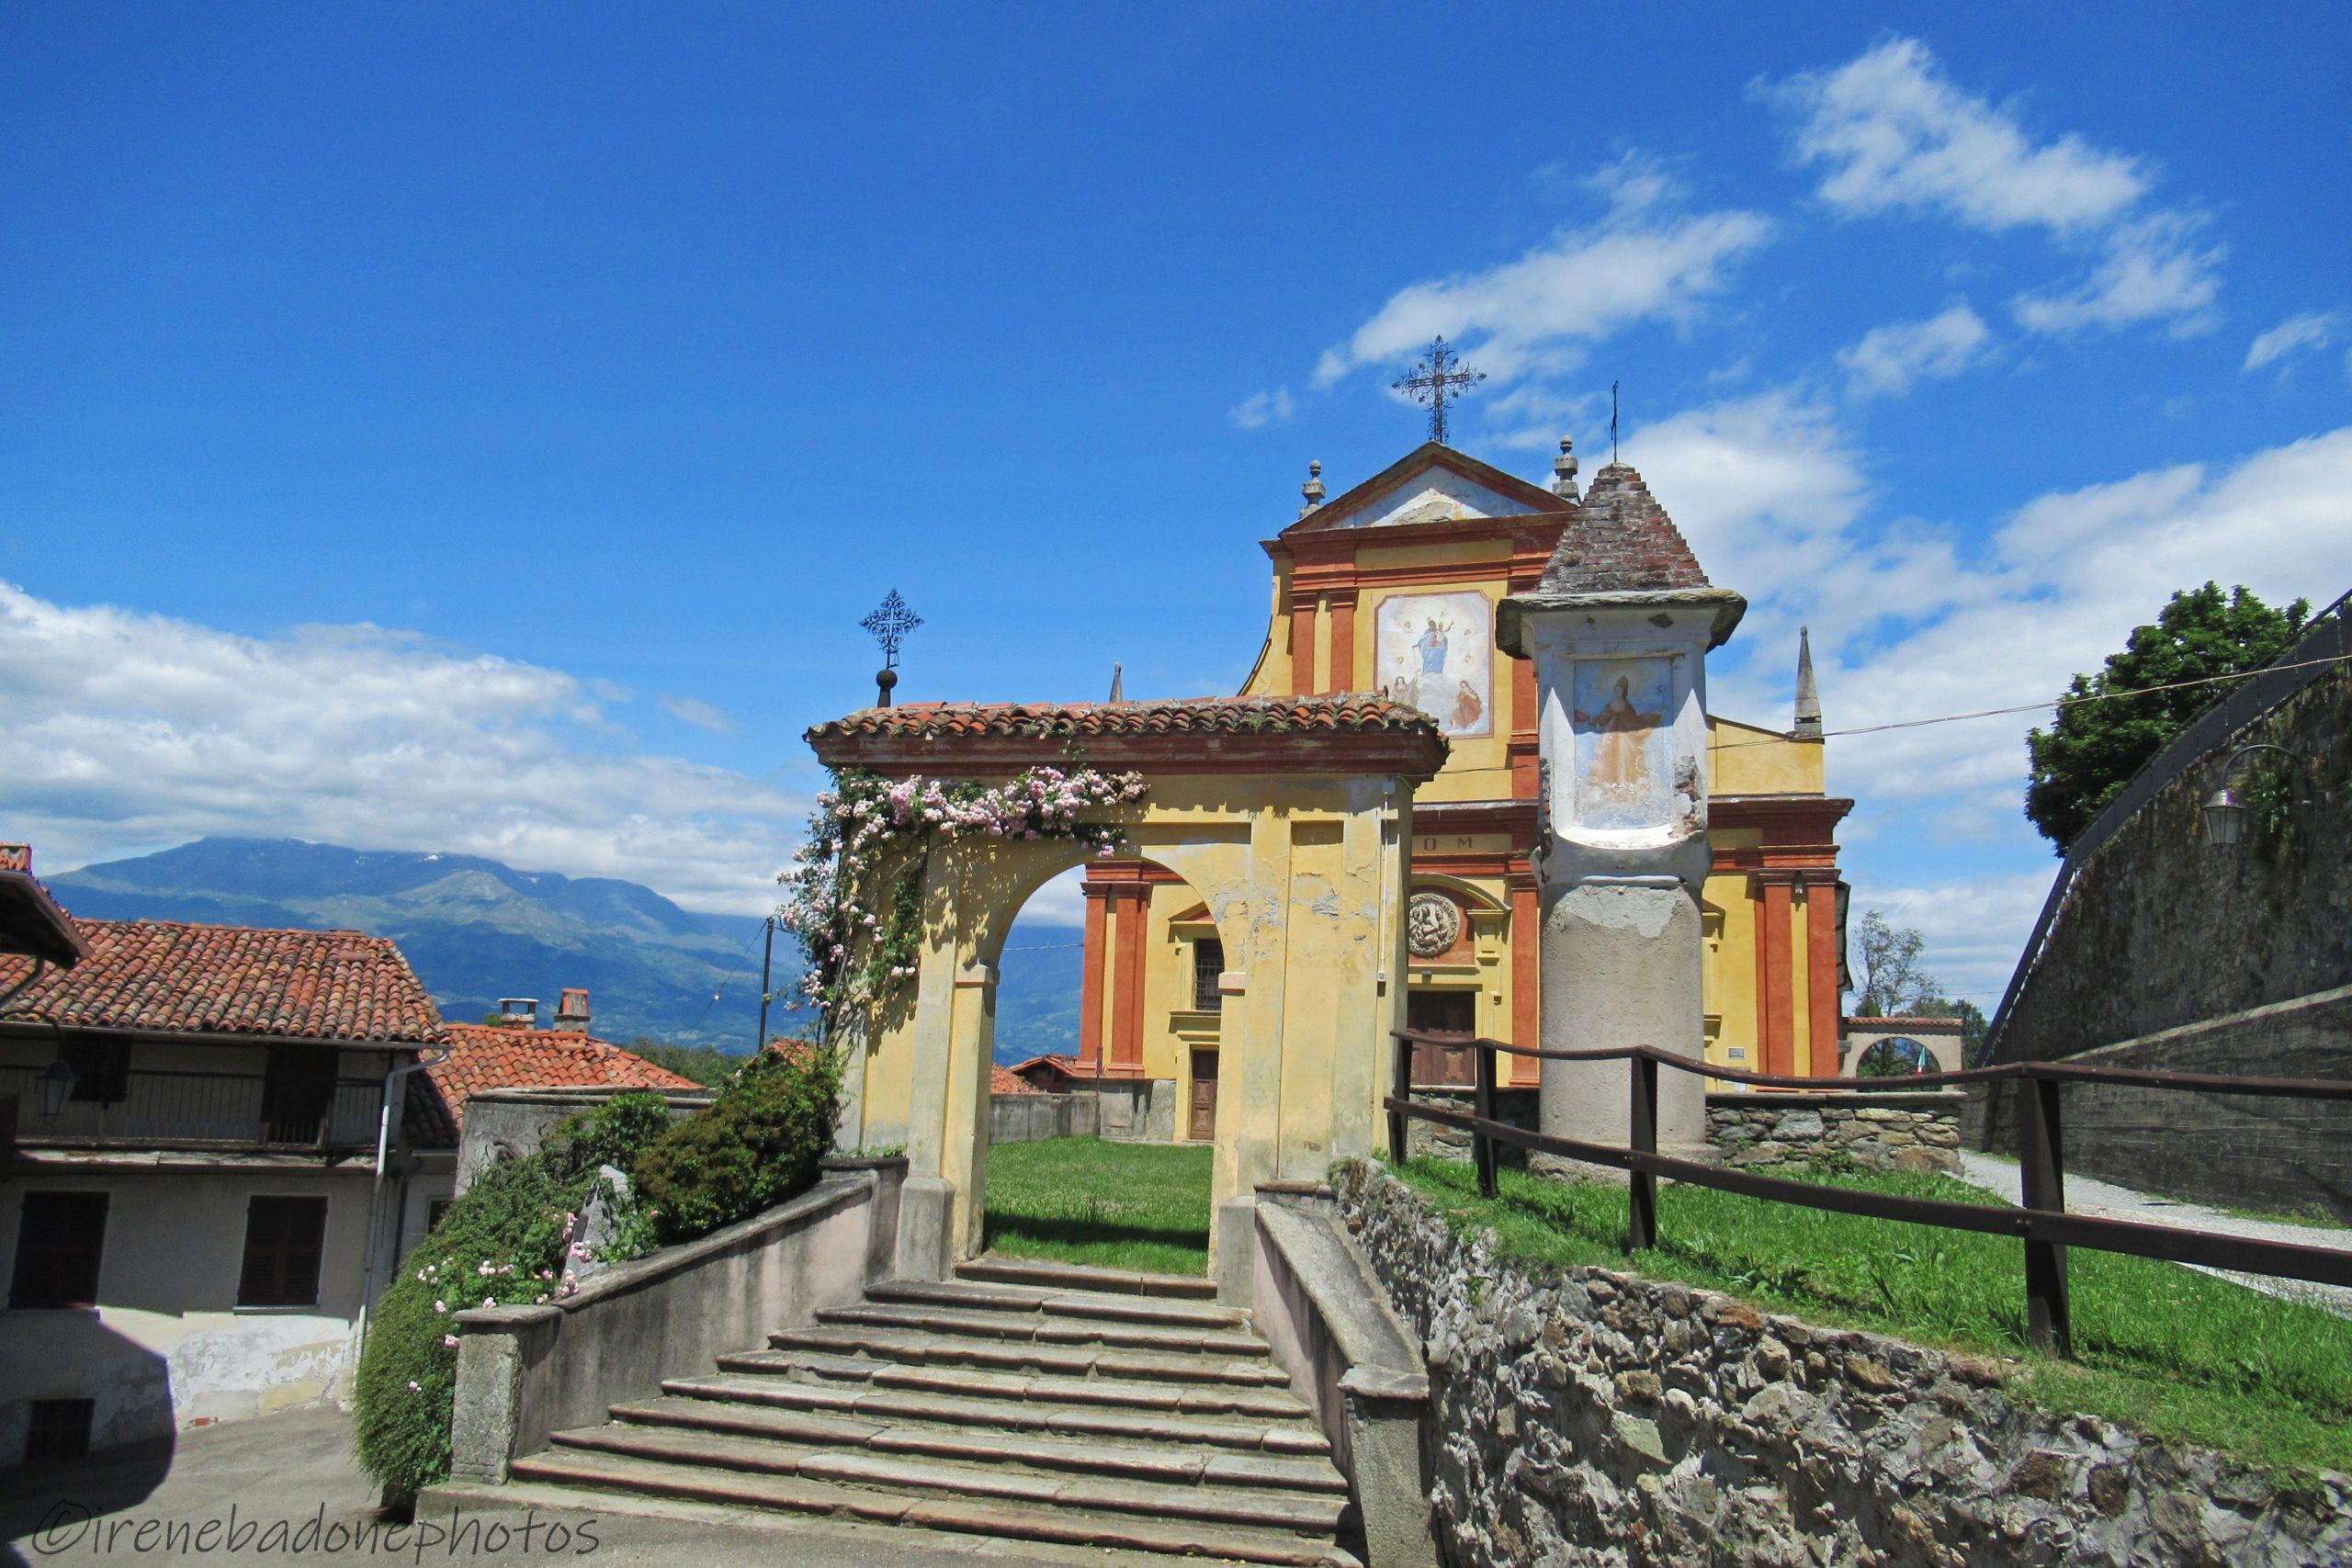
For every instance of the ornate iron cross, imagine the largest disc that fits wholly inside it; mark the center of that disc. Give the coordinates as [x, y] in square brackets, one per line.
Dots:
[890, 626]
[1436, 379]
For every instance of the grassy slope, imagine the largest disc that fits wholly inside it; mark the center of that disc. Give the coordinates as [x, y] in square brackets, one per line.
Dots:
[2174, 1352]
[1116, 1205]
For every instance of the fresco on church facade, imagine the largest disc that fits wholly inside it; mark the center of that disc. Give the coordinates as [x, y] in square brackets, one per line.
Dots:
[1621, 708]
[1435, 651]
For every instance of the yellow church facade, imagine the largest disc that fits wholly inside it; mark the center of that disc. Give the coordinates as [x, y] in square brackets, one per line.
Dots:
[1390, 589]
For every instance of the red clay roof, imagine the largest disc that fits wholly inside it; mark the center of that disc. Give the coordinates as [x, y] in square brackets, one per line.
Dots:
[1621, 540]
[1189, 715]
[489, 1056]
[169, 976]
[1001, 1081]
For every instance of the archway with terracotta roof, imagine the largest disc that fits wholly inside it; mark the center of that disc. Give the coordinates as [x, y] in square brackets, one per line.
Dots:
[1290, 816]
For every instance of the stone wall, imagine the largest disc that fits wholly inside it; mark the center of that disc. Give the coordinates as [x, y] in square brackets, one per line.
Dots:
[1890, 1130]
[2163, 930]
[511, 1123]
[1591, 1417]
[1029, 1118]
[2249, 1151]
[1428, 1140]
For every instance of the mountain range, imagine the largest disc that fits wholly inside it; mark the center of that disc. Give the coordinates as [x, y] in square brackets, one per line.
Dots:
[475, 930]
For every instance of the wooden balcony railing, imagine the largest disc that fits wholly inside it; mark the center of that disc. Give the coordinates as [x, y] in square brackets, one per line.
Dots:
[203, 1111]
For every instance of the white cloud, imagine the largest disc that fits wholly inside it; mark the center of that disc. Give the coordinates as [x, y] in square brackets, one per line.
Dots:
[2312, 329]
[1261, 408]
[1890, 359]
[1536, 314]
[122, 732]
[1910, 621]
[1763, 487]
[1894, 134]
[700, 714]
[1897, 134]
[2154, 269]
[1907, 626]
[1974, 927]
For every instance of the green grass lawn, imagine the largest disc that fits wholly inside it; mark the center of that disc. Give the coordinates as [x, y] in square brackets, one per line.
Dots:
[2174, 1352]
[1114, 1206]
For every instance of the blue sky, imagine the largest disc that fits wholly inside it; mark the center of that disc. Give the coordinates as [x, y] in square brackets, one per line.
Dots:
[481, 427]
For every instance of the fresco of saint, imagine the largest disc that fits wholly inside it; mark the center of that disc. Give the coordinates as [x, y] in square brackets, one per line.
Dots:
[1620, 708]
[1617, 757]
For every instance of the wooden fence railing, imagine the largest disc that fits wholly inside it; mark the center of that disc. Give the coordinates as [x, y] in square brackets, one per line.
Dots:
[2043, 1223]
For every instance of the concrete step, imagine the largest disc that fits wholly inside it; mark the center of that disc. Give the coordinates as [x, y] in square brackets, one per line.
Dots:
[975, 1296]
[1047, 1328]
[844, 1376]
[1163, 1457]
[571, 1479]
[994, 1270]
[929, 1348]
[903, 1474]
[1012, 1410]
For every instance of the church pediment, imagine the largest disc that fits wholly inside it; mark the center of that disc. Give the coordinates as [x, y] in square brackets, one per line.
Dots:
[1433, 484]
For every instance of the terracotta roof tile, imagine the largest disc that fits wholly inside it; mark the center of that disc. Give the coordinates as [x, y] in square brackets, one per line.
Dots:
[1619, 541]
[1191, 716]
[1001, 1081]
[488, 1055]
[170, 976]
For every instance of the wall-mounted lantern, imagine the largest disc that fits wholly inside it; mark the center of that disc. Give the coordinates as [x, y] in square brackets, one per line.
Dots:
[2225, 811]
[56, 1081]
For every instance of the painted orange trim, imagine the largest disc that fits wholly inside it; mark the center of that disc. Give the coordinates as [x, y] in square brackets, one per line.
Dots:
[1089, 995]
[1343, 644]
[1779, 994]
[1127, 998]
[1526, 948]
[1821, 981]
[1302, 644]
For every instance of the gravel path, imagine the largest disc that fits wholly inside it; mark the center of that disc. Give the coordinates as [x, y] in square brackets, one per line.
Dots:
[2107, 1200]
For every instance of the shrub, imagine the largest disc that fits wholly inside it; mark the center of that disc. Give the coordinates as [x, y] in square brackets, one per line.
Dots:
[757, 1145]
[616, 1133]
[515, 1220]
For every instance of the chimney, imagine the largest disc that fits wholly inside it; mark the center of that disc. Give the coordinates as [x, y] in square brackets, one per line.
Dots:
[571, 1012]
[16, 857]
[519, 1012]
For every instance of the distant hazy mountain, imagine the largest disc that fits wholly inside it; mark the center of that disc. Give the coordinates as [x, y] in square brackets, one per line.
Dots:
[474, 930]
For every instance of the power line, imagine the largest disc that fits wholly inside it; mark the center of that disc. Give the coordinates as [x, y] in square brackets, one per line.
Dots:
[2070, 700]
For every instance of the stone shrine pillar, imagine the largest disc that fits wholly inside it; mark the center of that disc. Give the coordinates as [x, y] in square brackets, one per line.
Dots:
[1618, 630]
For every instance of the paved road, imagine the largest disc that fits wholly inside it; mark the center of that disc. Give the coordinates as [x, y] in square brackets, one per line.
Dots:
[296, 1467]
[2107, 1200]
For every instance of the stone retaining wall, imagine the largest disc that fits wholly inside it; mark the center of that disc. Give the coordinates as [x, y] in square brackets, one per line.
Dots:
[1589, 1416]
[1882, 1131]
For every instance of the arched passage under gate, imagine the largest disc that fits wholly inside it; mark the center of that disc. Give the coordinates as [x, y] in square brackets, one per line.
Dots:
[1291, 817]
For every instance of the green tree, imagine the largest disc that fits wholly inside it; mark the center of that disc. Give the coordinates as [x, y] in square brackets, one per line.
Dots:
[1892, 980]
[2092, 749]
[707, 1064]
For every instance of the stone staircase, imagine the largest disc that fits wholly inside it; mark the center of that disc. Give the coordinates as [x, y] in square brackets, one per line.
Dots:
[1023, 1401]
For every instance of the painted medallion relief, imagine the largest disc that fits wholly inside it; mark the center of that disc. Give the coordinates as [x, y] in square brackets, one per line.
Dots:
[1435, 651]
[1621, 709]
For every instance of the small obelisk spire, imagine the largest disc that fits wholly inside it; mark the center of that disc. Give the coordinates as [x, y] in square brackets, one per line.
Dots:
[1808, 694]
[1313, 489]
[1563, 472]
[1118, 687]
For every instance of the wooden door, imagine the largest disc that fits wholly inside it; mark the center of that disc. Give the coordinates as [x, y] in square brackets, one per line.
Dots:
[1203, 1124]
[1453, 1012]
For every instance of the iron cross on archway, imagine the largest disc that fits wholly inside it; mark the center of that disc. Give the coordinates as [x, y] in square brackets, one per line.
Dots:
[1434, 382]
[889, 625]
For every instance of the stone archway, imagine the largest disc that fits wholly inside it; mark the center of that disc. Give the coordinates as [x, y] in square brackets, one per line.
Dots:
[1290, 818]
